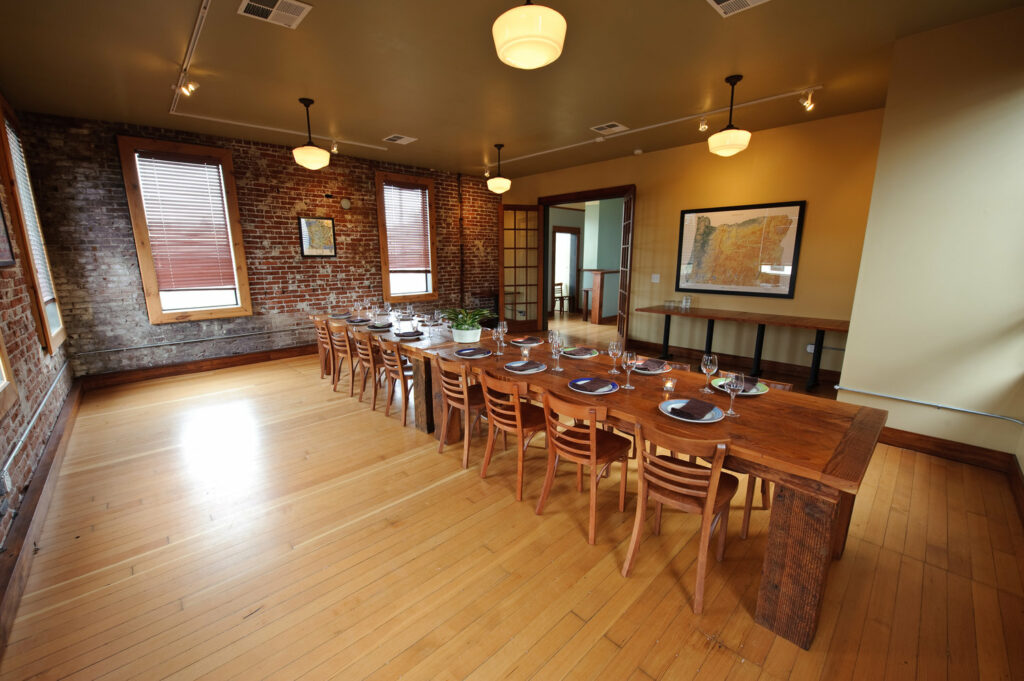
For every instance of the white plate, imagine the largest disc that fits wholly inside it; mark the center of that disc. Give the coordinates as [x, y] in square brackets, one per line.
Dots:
[610, 389]
[377, 329]
[526, 345]
[668, 368]
[511, 366]
[465, 353]
[343, 315]
[415, 338]
[713, 417]
[719, 384]
[366, 323]
[593, 353]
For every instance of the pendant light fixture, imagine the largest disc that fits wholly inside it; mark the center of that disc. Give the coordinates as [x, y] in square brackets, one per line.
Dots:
[729, 140]
[499, 184]
[310, 155]
[529, 36]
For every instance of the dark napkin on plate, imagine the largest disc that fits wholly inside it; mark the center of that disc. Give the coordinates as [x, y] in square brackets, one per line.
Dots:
[408, 334]
[592, 385]
[579, 352]
[528, 340]
[473, 352]
[358, 320]
[749, 383]
[652, 365]
[693, 409]
[341, 315]
[525, 366]
[386, 325]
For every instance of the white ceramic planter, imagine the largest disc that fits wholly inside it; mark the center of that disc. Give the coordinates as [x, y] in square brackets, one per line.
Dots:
[466, 335]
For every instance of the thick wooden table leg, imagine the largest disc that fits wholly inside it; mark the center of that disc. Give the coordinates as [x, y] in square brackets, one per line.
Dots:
[423, 394]
[796, 563]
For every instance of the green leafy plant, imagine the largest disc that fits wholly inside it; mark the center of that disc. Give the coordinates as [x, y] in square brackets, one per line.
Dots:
[466, 320]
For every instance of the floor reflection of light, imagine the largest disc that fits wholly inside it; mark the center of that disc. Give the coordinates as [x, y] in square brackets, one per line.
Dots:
[221, 449]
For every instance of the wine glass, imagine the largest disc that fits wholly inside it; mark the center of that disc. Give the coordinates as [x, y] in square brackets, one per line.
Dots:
[709, 365]
[498, 341]
[552, 335]
[556, 350]
[628, 363]
[614, 350]
[734, 385]
[503, 327]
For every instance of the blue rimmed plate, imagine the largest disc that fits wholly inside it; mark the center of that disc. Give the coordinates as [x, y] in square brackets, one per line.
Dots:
[473, 353]
[513, 367]
[713, 416]
[577, 385]
[759, 389]
[525, 341]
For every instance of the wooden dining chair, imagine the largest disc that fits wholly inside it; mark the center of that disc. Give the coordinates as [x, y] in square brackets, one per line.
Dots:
[585, 443]
[369, 361]
[398, 374]
[752, 480]
[341, 350]
[559, 297]
[669, 481]
[323, 344]
[458, 393]
[508, 412]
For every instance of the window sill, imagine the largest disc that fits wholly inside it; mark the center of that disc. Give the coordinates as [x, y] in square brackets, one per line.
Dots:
[8, 396]
[161, 317]
[412, 297]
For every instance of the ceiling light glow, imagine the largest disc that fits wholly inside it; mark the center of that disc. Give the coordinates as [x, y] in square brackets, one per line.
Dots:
[529, 36]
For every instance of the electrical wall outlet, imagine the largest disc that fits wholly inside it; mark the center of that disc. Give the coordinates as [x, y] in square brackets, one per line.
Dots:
[5, 483]
[655, 278]
[810, 348]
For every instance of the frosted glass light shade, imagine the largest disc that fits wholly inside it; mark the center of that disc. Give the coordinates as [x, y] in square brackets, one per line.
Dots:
[312, 157]
[529, 36]
[499, 184]
[729, 142]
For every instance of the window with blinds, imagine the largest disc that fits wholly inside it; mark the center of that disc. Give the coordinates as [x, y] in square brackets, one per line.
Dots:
[8, 391]
[184, 215]
[405, 219]
[33, 238]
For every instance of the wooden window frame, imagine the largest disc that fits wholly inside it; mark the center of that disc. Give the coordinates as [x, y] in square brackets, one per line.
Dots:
[381, 178]
[128, 147]
[49, 340]
[8, 390]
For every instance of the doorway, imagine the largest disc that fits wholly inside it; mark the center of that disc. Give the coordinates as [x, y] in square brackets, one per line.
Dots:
[567, 260]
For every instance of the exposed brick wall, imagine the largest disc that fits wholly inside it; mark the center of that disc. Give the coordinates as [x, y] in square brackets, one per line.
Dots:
[34, 372]
[84, 210]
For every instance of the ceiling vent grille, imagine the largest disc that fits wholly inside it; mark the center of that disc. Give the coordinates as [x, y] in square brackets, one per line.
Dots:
[729, 7]
[287, 13]
[400, 139]
[609, 128]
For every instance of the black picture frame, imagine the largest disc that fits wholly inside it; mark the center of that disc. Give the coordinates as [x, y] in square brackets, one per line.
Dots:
[6, 249]
[757, 236]
[313, 237]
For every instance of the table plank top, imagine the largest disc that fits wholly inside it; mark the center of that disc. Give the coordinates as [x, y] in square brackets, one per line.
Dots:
[751, 317]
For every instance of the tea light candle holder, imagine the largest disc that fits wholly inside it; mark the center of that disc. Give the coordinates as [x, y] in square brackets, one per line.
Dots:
[525, 351]
[669, 384]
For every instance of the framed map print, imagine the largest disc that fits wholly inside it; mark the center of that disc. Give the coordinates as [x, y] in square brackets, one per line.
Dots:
[740, 250]
[317, 237]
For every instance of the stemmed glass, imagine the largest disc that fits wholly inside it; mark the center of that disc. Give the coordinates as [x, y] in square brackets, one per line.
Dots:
[556, 349]
[734, 385]
[614, 350]
[709, 365]
[499, 340]
[628, 363]
[503, 327]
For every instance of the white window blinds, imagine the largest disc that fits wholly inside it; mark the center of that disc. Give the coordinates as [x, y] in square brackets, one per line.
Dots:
[30, 217]
[187, 221]
[407, 219]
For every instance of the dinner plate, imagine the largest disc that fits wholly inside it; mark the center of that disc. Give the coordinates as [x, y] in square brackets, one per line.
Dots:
[713, 416]
[378, 329]
[359, 322]
[342, 315]
[719, 384]
[593, 353]
[665, 370]
[605, 391]
[467, 353]
[511, 366]
[525, 343]
[410, 337]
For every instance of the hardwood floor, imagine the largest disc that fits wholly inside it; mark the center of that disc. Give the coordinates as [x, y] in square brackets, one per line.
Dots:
[248, 523]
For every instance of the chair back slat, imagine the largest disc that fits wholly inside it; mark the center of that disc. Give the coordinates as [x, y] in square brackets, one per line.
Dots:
[575, 441]
[364, 347]
[503, 401]
[320, 324]
[338, 337]
[668, 475]
[454, 380]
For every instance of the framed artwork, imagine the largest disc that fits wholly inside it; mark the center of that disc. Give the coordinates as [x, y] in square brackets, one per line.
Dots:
[740, 250]
[317, 237]
[6, 252]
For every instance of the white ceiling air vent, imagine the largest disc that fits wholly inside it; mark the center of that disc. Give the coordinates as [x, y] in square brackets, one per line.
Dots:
[287, 13]
[729, 7]
[609, 128]
[400, 139]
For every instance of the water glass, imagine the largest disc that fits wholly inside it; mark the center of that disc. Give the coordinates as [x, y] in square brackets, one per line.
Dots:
[709, 365]
[734, 385]
[614, 350]
[556, 350]
[628, 363]
[498, 341]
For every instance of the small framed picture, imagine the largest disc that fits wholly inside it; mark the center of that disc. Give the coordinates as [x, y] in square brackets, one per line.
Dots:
[6, 252]
[317, 237]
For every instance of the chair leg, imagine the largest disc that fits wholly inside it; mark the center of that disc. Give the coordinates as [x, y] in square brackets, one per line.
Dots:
[766, 494]
[622, 485]
[466, 434]
[638, 530]
[657, 517]
[362, 386]
[405, 402]
[747, 504]
[592, 532]
[579, 477]
[702, 567]
[443, 439]
[336, 373]
[376, 383]
[389, 397]
[549, 478]
[323, 359]
[491, 437]
[723, 529]
[354, 368]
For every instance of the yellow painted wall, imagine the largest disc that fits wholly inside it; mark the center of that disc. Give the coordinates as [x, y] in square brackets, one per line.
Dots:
[939, 309]
[828, 162]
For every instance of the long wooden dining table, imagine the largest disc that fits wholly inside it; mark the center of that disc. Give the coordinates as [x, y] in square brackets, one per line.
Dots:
[815, 450]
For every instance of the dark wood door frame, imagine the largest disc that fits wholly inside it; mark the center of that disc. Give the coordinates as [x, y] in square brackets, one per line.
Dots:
[627, 192]
[542, 313]
[557, 229]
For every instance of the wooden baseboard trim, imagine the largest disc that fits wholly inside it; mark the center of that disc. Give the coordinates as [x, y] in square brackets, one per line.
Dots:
[19, 548]
[948, 449]
[95, 381]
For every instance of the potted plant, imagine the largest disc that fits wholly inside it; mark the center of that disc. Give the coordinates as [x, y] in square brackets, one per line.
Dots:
[466, 323]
